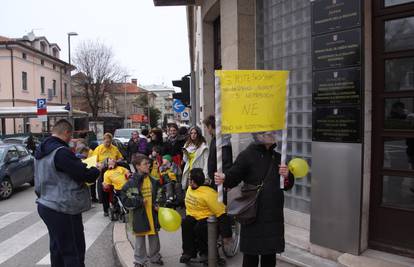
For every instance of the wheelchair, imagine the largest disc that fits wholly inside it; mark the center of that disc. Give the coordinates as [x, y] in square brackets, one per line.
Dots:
[116, 209]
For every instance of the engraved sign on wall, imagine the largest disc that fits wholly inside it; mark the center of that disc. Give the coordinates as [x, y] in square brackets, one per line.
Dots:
[335, 15]
[334, 87]
[337, 50]
[337, 124]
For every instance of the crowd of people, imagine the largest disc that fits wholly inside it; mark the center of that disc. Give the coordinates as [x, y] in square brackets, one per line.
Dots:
[174, 171]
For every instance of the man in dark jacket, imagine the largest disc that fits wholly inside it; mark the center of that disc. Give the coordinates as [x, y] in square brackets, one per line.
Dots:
[227, 152]
[60, 179]
[136, 144]
[265, 236]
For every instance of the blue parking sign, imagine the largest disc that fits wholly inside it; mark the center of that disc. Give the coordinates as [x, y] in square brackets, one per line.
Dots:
[41, 103]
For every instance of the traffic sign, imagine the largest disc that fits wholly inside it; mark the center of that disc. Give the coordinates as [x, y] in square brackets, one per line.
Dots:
[41, 106]
[185, 115]
[41, 103]
[178, 106]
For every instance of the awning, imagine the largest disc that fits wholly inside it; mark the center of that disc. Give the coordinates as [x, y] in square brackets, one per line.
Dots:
[176, 2]
[31, 112]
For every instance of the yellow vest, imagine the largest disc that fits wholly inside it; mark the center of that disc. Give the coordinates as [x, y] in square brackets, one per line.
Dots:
[146, 191]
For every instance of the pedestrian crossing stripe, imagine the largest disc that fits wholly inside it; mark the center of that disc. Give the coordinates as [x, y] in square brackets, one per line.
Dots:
[22, 240]
[11, 217]
[9, 248]
[92, 228]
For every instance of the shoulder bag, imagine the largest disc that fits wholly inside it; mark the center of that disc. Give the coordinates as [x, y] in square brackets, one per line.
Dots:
[242, 200]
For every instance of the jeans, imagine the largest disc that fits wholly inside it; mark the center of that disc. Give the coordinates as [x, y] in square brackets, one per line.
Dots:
[67, 239]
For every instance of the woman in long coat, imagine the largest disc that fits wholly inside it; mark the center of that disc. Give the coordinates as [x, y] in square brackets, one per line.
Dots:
[265, 236]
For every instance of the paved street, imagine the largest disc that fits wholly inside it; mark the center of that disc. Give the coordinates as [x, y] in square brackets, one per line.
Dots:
[24, 241]
[171, 252]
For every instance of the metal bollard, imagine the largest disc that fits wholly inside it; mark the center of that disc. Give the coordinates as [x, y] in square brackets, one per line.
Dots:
[212, 241]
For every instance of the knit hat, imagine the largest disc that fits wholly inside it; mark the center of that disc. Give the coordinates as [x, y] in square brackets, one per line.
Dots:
[167, 157]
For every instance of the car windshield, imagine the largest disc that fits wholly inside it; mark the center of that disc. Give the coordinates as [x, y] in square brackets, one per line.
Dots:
[123, 133]
[2, 152]
[13, 140]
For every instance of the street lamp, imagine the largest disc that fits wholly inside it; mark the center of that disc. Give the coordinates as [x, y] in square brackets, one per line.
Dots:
[125, 101]
[70, 76]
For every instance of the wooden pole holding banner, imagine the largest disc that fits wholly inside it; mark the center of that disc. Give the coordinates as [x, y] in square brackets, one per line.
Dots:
[219, 139]
[212, 220]
[284, 135]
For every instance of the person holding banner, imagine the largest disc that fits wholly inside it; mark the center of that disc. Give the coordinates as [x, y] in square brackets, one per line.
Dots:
[227, 152]
[195, 154]
[258, 163]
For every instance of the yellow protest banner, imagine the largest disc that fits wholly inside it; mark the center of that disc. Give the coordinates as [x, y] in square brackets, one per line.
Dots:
[91, 161]
[252, 100]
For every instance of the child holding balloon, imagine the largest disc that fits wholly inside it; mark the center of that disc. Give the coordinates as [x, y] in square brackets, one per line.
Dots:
[139, 195]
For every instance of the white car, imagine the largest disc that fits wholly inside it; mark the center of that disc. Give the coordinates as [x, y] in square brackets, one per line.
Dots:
[124, 134]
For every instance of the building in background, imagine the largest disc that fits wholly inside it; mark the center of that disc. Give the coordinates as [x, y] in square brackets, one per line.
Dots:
[31, 68]
[350, 112]
[120, 101]
[163, 101]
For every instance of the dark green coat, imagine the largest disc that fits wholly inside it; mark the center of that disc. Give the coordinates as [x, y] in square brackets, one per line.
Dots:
[132, 199]
[266, 234]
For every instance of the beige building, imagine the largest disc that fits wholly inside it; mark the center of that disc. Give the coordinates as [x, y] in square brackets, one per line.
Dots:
[356, 206]
[163, 101]
[31, 68]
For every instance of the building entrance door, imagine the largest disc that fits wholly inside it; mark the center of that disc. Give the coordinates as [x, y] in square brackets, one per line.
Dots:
[392, 185]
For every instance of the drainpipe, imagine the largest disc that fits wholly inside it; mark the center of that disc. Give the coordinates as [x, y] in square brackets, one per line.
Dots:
[61, 83]
[12, 80]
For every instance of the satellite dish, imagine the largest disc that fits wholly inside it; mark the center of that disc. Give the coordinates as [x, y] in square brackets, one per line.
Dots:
[31, 36]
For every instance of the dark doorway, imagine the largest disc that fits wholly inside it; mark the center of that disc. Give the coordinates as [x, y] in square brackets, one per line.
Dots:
[392, 185]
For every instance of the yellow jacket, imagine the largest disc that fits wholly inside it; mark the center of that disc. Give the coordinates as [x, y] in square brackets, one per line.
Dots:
[202, 202]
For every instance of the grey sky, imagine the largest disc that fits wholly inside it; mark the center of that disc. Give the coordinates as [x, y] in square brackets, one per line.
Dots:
[150, 42]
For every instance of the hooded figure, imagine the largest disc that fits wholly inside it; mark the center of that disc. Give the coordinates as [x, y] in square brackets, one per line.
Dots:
[258, 163]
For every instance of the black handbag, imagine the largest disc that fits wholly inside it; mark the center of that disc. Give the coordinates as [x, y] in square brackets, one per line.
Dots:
[242, 200]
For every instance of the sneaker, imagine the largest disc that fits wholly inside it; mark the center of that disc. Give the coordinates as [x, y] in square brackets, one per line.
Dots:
[185, 258]
[106, 214]
[158, 262]
[95, 200]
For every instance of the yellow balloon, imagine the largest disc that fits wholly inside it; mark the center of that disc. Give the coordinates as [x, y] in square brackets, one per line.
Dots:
[298, 167]
[170, 220]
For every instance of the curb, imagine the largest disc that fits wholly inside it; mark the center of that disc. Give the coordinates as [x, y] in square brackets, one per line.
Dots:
[123, 247]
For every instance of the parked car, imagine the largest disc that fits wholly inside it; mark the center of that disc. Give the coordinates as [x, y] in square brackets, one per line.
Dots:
[124, 134]
[16, 168]
[21, 140]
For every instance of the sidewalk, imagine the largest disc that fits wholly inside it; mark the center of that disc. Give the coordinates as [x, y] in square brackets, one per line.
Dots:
[170, 249]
